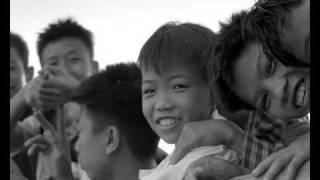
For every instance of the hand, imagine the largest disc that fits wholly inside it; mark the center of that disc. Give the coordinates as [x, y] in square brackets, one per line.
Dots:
[54, 146]
[213, 168]
[207, 133]
[291, 157]
[32, 96]
[59, 85]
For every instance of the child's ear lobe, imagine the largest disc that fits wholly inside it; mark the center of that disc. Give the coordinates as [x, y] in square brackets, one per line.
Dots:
[112, 139]
[29, 73]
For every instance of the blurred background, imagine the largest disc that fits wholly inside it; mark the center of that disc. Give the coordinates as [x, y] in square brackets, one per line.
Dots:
[120, 27]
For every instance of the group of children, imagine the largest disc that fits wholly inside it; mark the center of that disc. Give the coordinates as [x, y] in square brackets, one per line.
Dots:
[73, 121]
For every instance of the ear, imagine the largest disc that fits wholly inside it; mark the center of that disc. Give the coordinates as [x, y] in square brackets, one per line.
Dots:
[29, 73]
[95, 66]
[112, 139]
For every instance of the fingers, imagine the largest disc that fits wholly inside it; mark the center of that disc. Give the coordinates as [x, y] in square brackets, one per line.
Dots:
[34, 140]
[50, 92]
[60, 122]
[276, 168]
[36, 144]
[263, 166]
[181, 149]
[35, 148]
[293, 166]
[44, 122]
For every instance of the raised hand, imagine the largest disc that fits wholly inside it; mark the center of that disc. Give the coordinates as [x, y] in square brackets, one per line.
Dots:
[54, 146]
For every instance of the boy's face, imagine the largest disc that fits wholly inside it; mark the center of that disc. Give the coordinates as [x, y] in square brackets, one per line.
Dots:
[17, 73]
[283, 92]
[70, 54]
[177, 96]
[91, 147]
[297, 36]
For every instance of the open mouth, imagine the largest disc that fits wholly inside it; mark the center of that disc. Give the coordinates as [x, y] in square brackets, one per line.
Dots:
[167, 122]
[300, 94]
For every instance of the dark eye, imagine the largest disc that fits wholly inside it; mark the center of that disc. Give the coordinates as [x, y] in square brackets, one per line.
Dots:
[180, 87]
[271, 67]
[148, 92]
[75, 59]
[265, 102]
[13, 68]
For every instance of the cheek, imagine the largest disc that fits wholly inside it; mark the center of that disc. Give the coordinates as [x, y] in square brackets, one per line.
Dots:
[147, 110]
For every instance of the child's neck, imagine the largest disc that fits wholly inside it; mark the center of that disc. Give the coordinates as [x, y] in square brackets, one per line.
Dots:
[129, 166]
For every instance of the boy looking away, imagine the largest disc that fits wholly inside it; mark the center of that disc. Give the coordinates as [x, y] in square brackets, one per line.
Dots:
[115, 140]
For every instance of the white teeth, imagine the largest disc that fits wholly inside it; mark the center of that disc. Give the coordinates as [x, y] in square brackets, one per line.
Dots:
[168, 121]
[301, 94]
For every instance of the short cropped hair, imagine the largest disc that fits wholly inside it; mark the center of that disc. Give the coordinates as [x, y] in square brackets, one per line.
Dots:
[177, 42]
[116, 93]
[64, 28]
[268, 17]
[232, 39]
[21, 47]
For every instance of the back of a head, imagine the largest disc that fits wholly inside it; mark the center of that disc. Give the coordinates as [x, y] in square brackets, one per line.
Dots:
[116, 92]
[232, 39]
[64, 28]
[268, 18]
[177, 42]
[21, 48]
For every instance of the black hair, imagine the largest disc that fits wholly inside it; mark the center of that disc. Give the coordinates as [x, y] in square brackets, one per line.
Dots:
[64, 28]
[116, 93]
[268, 17]
[177, 42]
[21, 47]
[232, 39]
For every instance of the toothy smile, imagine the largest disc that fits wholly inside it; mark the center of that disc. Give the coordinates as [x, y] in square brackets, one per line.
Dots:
[168, 121]
[300, 94]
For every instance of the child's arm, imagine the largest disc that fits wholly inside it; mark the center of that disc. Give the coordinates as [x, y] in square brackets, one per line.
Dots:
[211, 167]
[291, 157]
[208, 133]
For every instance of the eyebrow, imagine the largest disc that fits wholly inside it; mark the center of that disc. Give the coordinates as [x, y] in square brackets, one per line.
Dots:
[176, 76]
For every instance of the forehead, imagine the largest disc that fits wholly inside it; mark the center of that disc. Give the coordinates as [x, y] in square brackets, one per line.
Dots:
[186, 69]
[14, 57]
[245, 75]
[64, 46]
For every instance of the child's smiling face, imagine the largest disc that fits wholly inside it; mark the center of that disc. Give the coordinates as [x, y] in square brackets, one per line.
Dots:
[175, 96]
[278, 90]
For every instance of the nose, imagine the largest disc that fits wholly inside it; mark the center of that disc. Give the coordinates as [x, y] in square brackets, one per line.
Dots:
[276, 86]
[163, 102]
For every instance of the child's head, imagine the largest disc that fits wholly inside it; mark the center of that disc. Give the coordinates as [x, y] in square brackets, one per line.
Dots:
[112, 120]
[174, 80]
[243, 77]
[20, 72]
[68, 45]
[284, 25]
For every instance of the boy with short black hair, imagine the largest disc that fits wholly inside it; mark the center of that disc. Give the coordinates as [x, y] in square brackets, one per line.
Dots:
[115, 140]
[65, 51]
[175, 91]
[243, 76]
[284, 25]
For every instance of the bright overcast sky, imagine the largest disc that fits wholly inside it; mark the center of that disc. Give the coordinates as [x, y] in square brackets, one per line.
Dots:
[120, 27]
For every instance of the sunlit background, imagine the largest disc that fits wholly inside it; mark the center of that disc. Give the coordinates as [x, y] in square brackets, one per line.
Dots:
[120, 27]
